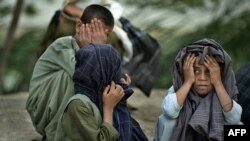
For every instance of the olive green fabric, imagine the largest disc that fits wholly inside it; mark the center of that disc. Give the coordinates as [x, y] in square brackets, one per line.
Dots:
[82, 121]
[51, 85]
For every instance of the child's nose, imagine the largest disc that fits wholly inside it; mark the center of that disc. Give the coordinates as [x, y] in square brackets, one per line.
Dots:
[203, 76]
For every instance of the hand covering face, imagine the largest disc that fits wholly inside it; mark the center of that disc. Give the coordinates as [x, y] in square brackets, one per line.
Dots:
[97, 65]
[202, 118]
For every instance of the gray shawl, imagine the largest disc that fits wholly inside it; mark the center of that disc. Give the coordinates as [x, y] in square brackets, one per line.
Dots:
[202, 118]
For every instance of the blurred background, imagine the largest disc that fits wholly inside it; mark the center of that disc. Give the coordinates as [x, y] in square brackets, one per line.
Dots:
[173, 23]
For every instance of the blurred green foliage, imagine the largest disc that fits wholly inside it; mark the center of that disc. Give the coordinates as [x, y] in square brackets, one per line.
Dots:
[231, 33]
[30, 9]
[4, 10]
[22, 60]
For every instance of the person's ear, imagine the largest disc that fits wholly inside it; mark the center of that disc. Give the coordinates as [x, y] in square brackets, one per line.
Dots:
[107, 31]
[78, 27]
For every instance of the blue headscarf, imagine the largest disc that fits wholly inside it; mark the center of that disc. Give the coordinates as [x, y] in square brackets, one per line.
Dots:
[96, 66]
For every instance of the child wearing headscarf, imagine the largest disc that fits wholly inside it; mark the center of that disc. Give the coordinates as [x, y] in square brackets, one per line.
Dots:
[96, 113]
[203, 97]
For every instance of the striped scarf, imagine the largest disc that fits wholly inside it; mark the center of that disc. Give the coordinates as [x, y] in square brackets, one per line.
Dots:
[96, 66]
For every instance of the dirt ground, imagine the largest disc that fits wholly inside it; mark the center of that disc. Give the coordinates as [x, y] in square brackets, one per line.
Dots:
[15, 123]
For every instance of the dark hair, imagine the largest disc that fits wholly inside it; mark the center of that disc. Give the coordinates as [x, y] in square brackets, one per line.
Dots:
[99, 12]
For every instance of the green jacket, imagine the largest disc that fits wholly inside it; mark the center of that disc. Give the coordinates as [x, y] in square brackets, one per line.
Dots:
[51, 85]
[82, 121]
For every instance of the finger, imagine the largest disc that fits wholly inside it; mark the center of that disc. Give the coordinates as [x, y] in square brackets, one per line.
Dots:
[211, 62]
[187, 57]
[101, 28]
[190, 60]
[112, 87]
[123, 81]
[81, 31]
[214, 61]
[185, 61]
[128, 78]
[192, 57]
[88, 33]
[106, 90]
[84, 31]
[213, 58]
[207, 59]
[122, 93]
[98, 25]
[119, 88]
[93, 26]
[208, 63]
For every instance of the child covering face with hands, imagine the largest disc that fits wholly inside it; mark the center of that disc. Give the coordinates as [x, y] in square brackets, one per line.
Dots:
[203, 97]
[98, 110]
[56, 103]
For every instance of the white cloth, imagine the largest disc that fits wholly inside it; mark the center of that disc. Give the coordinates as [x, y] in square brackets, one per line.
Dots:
[115, 8]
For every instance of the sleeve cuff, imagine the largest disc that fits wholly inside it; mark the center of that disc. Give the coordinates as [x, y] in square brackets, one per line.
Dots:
[234, 115]
[114, 133]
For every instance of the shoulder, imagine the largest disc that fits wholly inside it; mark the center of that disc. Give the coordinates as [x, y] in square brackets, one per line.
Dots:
[80, 102]
[77, 105]
[60, 44]
[63, 42]
[59, 48]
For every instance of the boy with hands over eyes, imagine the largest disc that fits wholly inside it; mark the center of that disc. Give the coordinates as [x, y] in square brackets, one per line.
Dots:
[203, 97]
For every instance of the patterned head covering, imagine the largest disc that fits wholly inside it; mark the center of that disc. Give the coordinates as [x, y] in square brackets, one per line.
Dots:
[202, 118]
[96, 66]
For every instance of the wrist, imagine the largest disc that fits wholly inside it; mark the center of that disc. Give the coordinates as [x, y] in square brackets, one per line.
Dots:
[108, 115]
[228, 106]
[188, 84]
[218, 84]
